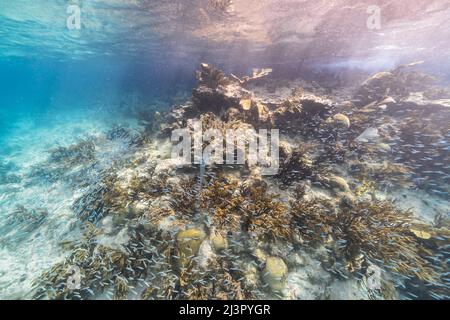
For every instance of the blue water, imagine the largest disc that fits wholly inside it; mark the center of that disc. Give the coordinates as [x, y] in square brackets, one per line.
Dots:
[58, 87]
[43, 93]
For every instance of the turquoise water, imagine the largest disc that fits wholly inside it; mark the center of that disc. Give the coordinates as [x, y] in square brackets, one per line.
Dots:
[57, 87]
[131, 58]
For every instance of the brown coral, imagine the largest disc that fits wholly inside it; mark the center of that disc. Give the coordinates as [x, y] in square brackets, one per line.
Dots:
[375, 230]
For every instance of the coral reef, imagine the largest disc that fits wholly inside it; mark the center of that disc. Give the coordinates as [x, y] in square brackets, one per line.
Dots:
[78, 154]
[154, 230]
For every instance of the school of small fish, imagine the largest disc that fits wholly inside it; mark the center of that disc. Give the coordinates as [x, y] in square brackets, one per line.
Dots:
[344, 201]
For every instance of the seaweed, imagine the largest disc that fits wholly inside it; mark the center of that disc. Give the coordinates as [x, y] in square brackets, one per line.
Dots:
[121, 288]
[203, 250]
[131, 138]
[216, 282]
[184, 199]
[74, 155]
[102, 199]
[220, 198]
[221, 6]
[294, 167]
[248, 208]
[265, 216]
[103, 269]
[370, 231]
[397, 83]
[385, 174]
[211, 77]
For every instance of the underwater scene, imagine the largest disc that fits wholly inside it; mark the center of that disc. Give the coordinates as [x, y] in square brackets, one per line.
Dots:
[225, 150]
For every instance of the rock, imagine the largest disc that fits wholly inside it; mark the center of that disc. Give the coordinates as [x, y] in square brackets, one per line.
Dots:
[219, 242]
[348, 106]
[384, 147]
[387, 101]
[260, 255]
[211, 77]
[347, 290]
[251, 277]
[275, 274]
[307, 282]
[246, 104]
[336, 182]
[379, 76]
[139, 208]
[217, 93]
[285, 150]
[263, 112]
[296, 260]
[369, 135]
[340, 120]
[375, 88]
[188, 245]
[417, 101]
[421, 234]
[397, 83]
[107, 225]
